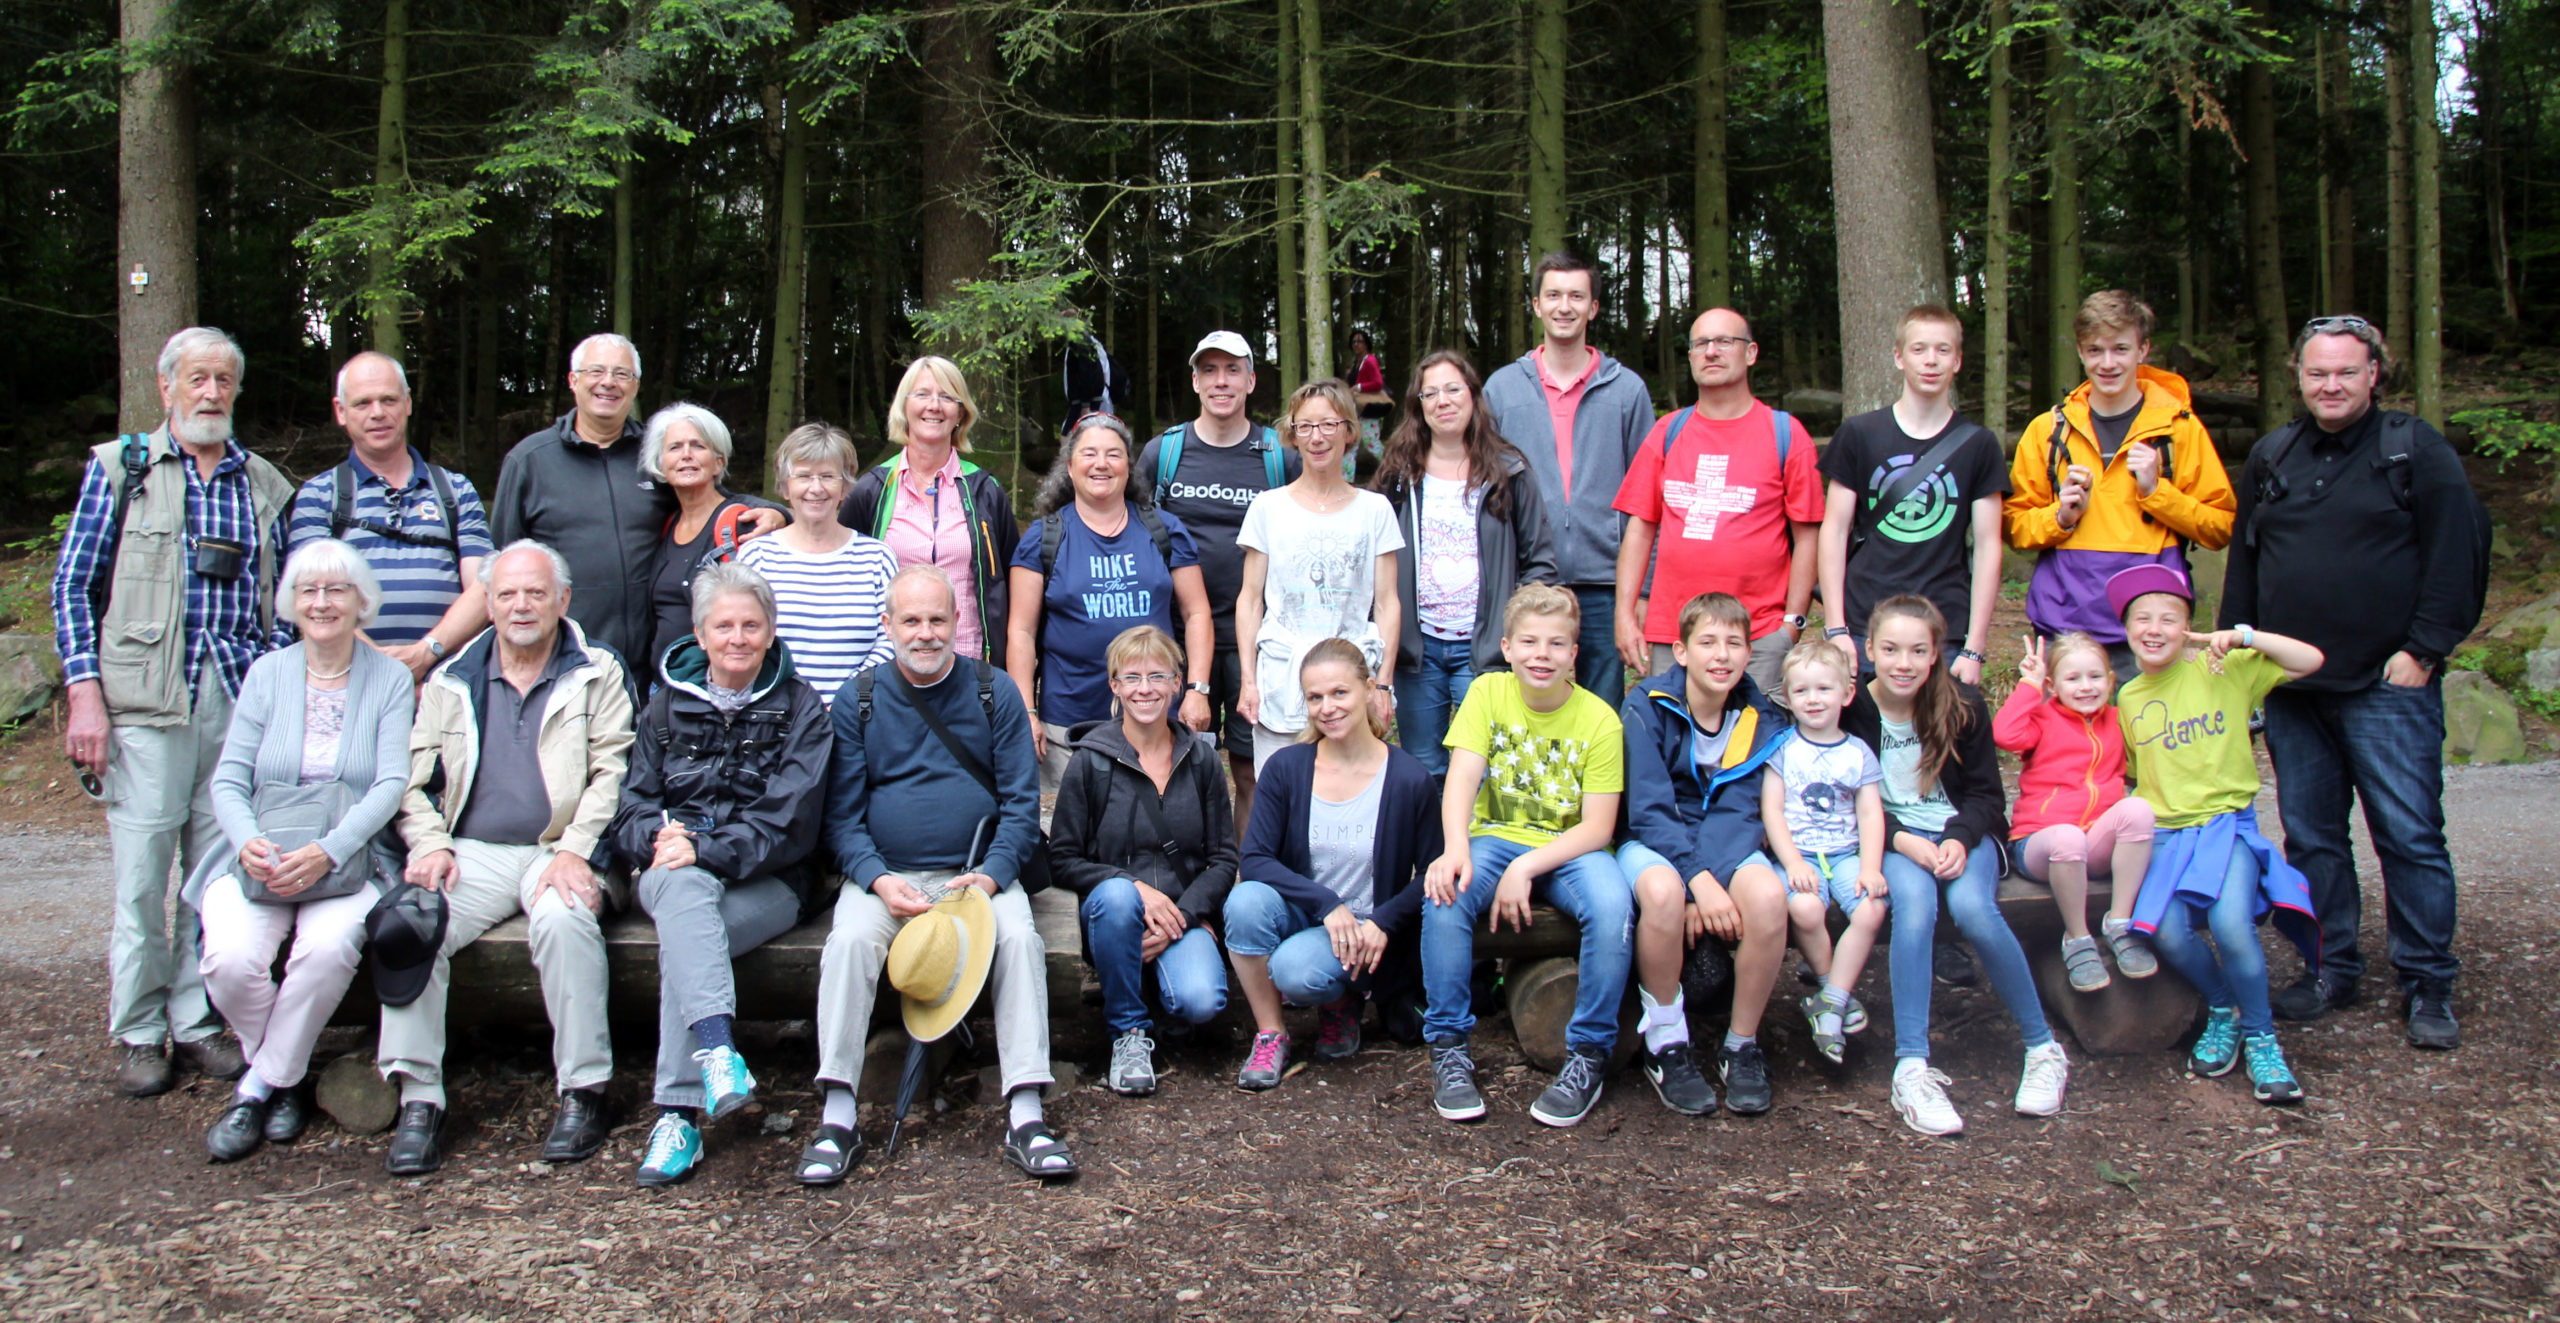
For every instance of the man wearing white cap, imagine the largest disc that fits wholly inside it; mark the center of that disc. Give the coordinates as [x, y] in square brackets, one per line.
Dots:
[934, 789]
[1205, 473]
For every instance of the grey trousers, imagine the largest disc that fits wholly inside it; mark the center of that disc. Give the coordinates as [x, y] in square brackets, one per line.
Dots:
[159, 811]
[703, 924]
[567, 941]
[858, 948]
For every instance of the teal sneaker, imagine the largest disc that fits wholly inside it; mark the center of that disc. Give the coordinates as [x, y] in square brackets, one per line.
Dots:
[675, 1149]
[725, 1080]
[2274, 1080]
[2218, 1047]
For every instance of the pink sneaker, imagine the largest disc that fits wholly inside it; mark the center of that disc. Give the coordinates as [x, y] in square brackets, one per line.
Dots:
[1262, 1069]
[1337, 1032]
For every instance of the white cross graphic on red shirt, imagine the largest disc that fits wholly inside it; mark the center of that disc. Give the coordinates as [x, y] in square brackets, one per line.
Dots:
[1700, 502]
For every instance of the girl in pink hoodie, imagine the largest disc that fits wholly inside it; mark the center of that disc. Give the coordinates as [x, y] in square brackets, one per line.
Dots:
[2074, 821]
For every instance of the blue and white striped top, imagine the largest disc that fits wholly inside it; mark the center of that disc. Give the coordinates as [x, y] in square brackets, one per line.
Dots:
[827, 606]
[418, 581]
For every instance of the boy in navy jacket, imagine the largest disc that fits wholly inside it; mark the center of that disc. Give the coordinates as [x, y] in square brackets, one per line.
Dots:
[1698, 737]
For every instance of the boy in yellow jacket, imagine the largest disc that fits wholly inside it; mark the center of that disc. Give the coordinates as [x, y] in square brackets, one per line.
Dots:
[2121, 473]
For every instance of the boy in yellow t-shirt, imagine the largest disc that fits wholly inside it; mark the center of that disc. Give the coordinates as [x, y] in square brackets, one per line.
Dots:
[2186, 720]
[1536, 765]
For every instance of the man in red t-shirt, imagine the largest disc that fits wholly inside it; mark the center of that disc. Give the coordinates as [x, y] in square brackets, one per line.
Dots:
[1727, 516]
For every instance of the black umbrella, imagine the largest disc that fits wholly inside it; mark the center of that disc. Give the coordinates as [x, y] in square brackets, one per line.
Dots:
[912, 1077]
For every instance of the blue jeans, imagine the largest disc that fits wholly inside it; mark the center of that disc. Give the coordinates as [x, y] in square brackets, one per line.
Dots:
[1191, 979]
[1427, 695]
[2384, 745]
[1596, 665]
[1260, 922]
[1589, 888]
[1974, 899]
[2239, 978]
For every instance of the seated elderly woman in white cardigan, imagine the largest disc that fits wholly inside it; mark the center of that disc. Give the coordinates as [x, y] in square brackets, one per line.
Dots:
[312, 770]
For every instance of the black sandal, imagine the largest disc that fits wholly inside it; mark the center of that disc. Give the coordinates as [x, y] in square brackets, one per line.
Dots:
[833, 1153]
[1038, 1151]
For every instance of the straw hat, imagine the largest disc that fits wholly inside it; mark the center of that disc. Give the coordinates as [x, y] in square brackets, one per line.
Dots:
[939, 962]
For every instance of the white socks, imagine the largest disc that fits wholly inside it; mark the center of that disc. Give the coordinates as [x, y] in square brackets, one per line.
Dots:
[1665, 1026]
[1023, 1106]
[841, 1109]
[253, 1089]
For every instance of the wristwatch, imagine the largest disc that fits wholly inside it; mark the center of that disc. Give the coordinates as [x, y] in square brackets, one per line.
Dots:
[1969, 654]
[1200, 687]
[2248, 635]
[1795, 621]
[1836, 632]
[435, 647]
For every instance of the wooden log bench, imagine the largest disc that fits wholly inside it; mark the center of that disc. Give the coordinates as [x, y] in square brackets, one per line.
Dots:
[2129, 1016]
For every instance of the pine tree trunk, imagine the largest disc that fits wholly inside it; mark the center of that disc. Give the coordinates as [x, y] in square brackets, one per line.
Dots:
[2189, 315]
[1884, 186]
[390, 173]
[2401, 238]
[1996, 233]
[554, 372]
[155, 218]
[2266, 234]
[954, 240]
[2337, 133]
[2427, 275]
[626, 202]
[1285, 205]
[1547, 60]
[2062, 213]
[790, 268]
[1711, 232]
[1317, 271]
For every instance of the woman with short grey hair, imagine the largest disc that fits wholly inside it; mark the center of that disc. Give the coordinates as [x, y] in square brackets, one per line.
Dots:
[312, 771]
[687, 447]
[830, 582]
[719, 821]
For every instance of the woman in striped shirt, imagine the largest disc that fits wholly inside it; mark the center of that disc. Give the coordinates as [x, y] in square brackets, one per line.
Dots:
[830, 583]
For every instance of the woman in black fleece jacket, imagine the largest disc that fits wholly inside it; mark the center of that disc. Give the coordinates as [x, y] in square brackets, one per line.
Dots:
[1145, 832]
[1945, 818]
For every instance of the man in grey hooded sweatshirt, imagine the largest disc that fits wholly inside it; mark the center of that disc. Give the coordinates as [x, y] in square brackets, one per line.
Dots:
[1579, 416]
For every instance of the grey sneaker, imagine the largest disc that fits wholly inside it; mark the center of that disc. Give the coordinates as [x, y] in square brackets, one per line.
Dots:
[1265, 1064]
[1576, 1090]
[2133, 955]
[1832, 1043]
[2081, 961]
[1133, 1064]
[1453, 1083]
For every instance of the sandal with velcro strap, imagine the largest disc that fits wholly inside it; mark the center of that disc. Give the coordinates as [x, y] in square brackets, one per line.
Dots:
[1038, 1151]
[829, 1156]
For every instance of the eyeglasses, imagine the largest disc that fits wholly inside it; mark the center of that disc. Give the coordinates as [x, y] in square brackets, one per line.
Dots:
[1444, 393]
[622, 376]
[1329, 427]
[1132, 680]
[2329, 325]
[928, 395]
[312, 592]
[1728, 343]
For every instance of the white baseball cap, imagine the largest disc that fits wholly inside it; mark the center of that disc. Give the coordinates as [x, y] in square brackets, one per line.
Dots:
[1225, 342]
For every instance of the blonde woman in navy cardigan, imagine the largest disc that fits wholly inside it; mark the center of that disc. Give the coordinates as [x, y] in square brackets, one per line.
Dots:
[330, 707]
[1343, 825]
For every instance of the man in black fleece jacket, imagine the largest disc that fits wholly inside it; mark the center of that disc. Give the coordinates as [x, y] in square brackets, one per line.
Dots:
[901, 815]
[2357, 533]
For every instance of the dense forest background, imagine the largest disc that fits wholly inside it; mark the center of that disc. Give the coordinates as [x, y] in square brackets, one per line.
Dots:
[783, 201]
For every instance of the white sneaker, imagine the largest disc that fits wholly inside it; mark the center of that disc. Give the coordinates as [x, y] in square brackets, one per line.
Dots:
[2040, 1083]
[1920, 1095]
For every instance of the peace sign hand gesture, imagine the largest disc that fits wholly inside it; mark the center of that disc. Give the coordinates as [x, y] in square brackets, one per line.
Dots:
[2031, 664]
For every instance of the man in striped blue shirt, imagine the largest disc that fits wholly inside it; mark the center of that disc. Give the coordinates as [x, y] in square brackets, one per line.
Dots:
[422, 529]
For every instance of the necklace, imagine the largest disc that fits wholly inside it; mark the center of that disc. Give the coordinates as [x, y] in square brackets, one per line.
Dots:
[338, 674]
[1325, 504]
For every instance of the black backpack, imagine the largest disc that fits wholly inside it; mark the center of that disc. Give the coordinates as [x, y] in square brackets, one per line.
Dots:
[1053, 530]
[342, 514]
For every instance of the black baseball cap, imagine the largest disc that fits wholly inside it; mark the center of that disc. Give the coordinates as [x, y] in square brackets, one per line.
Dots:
[406, 929]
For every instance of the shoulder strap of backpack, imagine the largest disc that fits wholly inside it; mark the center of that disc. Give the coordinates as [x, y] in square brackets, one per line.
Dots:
[1156, 533]
[1786, 433]
[662, 717]
[1168, 454]
[2057, 443]
[1679, 423]
[136, 456]
[862, 701]
[724, 534]
[1275, 465]
[1053, 530]
[986, 690]
[342, 498]
[442, 481]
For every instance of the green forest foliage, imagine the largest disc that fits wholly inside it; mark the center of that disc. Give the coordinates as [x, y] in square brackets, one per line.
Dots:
[1130, 180]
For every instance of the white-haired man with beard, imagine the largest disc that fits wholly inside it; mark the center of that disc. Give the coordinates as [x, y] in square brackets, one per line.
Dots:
[164, 595]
